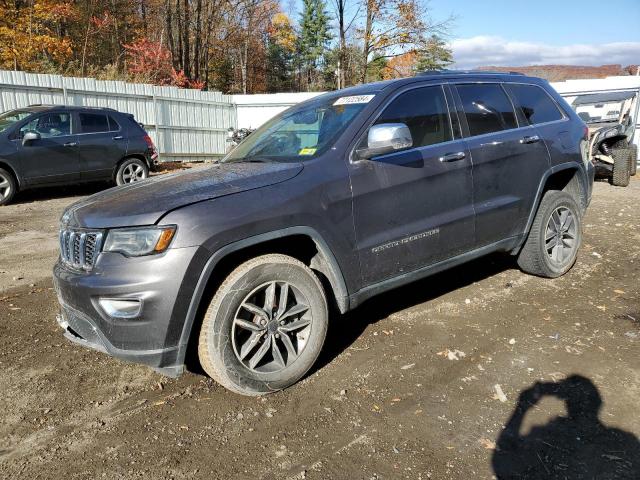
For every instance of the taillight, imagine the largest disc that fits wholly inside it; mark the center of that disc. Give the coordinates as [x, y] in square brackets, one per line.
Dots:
[151, 146]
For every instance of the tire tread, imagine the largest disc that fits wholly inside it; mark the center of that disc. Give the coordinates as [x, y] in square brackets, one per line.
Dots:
[217, 371]
[530, 258]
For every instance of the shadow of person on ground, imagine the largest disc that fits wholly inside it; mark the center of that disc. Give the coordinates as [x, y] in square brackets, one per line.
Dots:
[578, 446]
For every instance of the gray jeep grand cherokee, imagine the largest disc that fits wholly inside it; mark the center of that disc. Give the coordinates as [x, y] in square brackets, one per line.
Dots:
[335, 200]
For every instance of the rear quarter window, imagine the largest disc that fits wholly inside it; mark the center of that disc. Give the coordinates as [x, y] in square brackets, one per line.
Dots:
[93, 123]
[114, 126]
[536, 104]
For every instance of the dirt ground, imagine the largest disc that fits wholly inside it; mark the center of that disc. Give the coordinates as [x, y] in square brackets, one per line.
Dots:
[436, 380]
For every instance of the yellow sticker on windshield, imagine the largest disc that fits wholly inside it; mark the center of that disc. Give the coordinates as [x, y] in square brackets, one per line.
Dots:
[307, 151]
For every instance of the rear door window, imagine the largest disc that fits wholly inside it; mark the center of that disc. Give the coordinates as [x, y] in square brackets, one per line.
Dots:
[424, 111]
[49, 125]
[113, 125]
[487, 108]
[536, 105]
[93, 123]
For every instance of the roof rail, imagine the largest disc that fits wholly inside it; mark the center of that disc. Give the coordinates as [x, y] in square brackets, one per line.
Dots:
[71, 106]
[459, 72]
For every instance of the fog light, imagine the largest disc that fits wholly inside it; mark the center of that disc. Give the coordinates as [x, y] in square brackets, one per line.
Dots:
[121, 307]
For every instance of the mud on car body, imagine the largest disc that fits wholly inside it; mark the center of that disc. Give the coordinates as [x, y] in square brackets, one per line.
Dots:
[333, 201]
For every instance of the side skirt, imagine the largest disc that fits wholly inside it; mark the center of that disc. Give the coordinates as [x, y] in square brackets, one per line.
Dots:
[365, 293]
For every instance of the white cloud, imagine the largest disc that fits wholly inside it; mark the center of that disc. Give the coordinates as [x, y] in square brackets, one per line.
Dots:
[496, 51]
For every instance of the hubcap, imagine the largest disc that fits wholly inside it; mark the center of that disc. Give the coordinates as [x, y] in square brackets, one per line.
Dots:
[5, 187]
[561, 236]
[270, 337]
[133, 173]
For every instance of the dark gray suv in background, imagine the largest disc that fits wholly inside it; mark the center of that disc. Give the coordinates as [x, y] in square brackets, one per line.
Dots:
[335, 200]
[45, 145]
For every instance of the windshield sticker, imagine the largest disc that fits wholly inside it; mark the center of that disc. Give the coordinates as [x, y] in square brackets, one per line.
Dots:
[307, 151]
[354, 99]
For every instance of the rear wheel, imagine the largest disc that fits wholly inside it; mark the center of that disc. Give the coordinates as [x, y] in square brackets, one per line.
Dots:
[555, 236]
[265, 326]
[8, 186]
[621, 168]
[131, 170]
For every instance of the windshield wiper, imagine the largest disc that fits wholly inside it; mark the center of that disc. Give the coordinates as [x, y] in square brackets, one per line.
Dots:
[249, 160]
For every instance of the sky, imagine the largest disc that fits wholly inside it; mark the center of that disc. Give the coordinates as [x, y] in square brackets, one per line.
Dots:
[517, 33]
[536, 32]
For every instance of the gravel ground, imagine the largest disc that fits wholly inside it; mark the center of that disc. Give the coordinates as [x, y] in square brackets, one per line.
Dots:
[478, 372]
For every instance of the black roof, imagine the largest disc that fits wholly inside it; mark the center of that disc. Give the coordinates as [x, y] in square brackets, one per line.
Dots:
[605, 97]
[375, 87]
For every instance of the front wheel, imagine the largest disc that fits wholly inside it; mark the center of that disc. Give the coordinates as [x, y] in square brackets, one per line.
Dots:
[555, 236]
[265, 326]
[131, 170]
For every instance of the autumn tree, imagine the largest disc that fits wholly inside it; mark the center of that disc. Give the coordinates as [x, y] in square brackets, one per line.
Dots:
[282, 42]
[32, 34]
[394, 27]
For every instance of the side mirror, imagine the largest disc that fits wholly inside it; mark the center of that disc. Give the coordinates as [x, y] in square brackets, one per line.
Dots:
[385, 138]
[30, 137]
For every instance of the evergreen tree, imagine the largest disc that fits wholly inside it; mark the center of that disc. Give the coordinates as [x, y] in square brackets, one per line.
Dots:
[314, 37]
[436, 55]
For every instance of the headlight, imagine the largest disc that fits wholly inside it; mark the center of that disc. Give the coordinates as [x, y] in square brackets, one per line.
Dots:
[134, 242]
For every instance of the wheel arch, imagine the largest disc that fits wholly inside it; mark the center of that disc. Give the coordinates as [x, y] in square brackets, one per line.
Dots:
[567, 177]
[5, 166]
[224, 260]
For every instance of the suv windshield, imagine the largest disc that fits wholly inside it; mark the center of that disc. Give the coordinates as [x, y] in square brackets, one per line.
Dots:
[300, 133]
[9, 118]
[598, 113]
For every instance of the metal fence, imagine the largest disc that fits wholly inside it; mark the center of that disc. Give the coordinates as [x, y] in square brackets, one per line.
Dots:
[254, 110]
[184, 124]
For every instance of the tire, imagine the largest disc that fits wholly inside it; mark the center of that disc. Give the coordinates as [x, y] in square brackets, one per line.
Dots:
[633, 160]
[620, 176]
[131, 170]
[539, 255]
[232, 336]
[8, 186]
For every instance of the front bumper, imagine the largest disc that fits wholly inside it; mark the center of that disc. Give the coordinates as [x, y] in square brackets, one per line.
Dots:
[160, 282]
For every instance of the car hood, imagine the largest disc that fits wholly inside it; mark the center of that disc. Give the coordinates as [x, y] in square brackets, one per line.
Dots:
[146, 202]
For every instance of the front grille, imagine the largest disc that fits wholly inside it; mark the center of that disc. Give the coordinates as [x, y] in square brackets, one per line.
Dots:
[79, 249]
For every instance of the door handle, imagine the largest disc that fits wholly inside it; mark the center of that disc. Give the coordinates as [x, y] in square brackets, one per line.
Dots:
[531, 139]
[118, 137]
[71, 144]
[453, 157]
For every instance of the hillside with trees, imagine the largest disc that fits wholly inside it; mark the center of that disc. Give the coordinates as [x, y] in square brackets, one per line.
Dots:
[236, 46]
[559, 73]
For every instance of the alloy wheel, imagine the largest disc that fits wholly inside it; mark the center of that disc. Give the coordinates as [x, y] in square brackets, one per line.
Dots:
[133, 173]
[5, 187]
[271, 327]
[561, 236]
